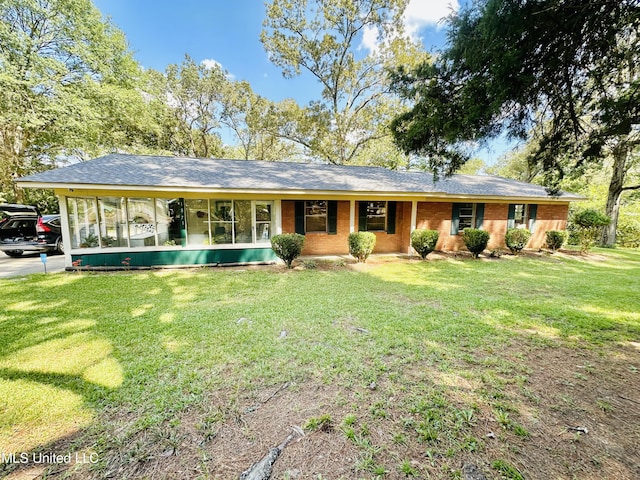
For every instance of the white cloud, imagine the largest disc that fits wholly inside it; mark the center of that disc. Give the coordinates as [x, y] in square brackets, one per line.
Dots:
[418, 15]
[370, 40]
[210, 63]
[422, 13]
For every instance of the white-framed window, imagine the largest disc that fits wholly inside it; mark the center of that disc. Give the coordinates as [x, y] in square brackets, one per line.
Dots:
[377, 216]
[521, 215]
[315, 216]
[467, 216]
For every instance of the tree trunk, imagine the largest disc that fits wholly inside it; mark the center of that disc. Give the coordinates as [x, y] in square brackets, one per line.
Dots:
[608, 238]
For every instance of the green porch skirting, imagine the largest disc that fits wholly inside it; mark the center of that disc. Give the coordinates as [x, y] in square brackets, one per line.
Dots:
[159, 258]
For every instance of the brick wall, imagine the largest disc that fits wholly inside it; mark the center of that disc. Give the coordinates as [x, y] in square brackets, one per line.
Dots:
[548, 217]
[430, 215]
[320, 243]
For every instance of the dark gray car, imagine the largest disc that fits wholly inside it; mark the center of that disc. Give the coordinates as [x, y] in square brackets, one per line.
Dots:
[22, 229]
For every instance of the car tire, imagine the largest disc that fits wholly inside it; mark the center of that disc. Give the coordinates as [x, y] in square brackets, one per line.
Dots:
[13, 253]
[60, 246]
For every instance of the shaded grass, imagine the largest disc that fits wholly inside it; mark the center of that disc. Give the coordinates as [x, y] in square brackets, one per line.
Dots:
[79, 350]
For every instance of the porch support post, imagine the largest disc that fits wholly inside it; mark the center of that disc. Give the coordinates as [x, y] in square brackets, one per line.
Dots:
[278, 216]
[352, 216]
[66, 231]
[414, 222]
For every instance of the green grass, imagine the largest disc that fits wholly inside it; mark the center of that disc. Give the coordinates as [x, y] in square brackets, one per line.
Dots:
[77, 350]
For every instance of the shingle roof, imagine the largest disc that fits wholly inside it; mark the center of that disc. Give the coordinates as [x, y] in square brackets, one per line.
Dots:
[118, 170]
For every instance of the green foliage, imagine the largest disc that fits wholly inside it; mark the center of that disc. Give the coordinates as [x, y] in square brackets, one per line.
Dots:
[554, 239]
[475, 240]
[516, 239]
[588, 224]
[321, 38]
[68, 88]
[321, 423]
[287, 246]
[424, 241]
[628, 233]
[506, 470]
[361, 244]
[501, 70]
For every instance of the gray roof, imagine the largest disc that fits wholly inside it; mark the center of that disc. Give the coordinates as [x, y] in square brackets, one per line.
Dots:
[140, 171]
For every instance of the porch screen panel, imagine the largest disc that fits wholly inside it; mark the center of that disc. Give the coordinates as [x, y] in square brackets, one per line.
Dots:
[142, 222]
[83, 222]
[113, 222]
[168, 215]
[197, 214]
[221, 222]
[264, 219]
[243, 221]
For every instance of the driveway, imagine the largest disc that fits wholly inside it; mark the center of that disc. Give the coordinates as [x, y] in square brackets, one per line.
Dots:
[29, 263]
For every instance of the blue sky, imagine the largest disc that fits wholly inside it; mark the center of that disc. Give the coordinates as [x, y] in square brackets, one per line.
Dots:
[161, 32]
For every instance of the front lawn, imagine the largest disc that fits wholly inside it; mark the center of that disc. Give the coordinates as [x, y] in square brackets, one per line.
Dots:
[525, 367]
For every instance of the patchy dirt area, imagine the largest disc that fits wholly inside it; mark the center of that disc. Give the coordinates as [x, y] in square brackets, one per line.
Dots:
[579, 409]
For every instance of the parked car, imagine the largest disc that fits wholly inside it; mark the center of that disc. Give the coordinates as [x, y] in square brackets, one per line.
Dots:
[23, 229]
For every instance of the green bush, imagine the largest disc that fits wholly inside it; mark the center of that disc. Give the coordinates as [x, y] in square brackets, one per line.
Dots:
[628, 233]
[424, 241]
[287, 246]
[475, 240]
[555, 239]
[588, 224]
[361, 245]
[516, 239]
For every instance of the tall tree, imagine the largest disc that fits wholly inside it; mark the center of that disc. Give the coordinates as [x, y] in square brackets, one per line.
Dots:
[194, 93]
[59, 61]
[569, 68]
[254, 121]
[323, 39]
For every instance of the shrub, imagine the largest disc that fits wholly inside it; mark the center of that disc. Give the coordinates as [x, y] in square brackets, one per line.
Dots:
[516, 239]
[628, 233]
[287, 246]
[588, 224]
[361, 245]
[555, 239]
[424, 241]
[475, 240]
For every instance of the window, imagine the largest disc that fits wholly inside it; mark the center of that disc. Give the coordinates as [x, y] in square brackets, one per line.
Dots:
[466, 215]
[522, 215]
[376, 216]
[263, 222]
[83, 222]
[315, 216]
[148, 222]
[113, 222]
[222, 221]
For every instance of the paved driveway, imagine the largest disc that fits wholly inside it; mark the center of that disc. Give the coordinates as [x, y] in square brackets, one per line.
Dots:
[29, 263]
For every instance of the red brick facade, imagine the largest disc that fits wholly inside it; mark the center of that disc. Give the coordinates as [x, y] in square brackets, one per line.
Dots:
[429, 215]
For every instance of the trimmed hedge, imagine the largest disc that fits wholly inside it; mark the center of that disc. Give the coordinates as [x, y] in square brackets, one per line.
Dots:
[516, 239]
[555, 239]
[287, 246]
[475, 240]
[588, 224]
[361, 245]
[424, 241]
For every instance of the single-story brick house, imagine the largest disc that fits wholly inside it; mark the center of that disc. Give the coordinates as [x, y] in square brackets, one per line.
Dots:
[156, 210]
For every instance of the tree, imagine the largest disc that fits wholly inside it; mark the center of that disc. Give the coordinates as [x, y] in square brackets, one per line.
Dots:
[59, 63]
[194, 93]
[322, 38]
[254, 121]
[566, 71]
